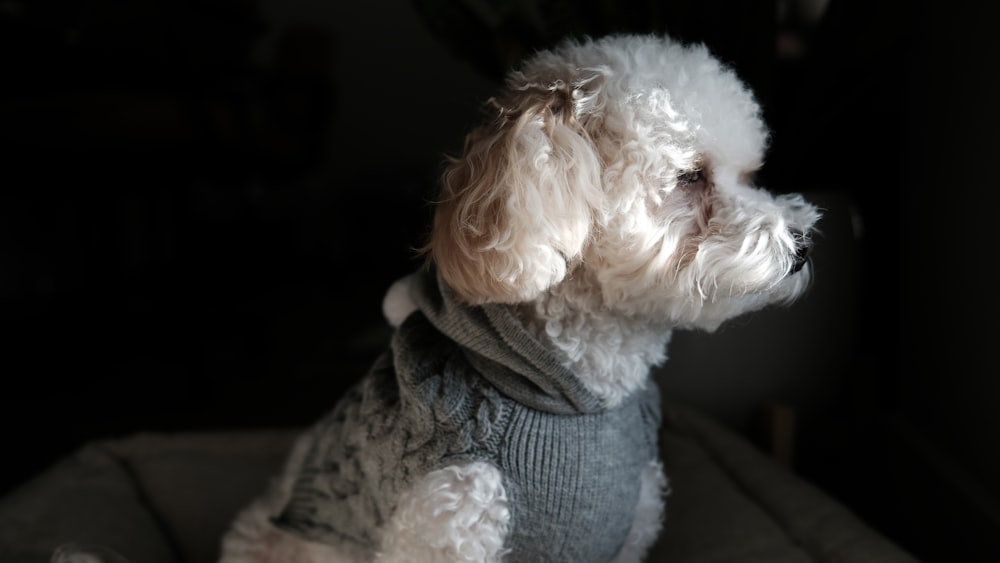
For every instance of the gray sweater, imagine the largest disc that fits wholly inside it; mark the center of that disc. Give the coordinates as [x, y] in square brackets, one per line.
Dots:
[462, 384]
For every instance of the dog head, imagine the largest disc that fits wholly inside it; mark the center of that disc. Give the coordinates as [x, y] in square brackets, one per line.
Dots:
[628, 162]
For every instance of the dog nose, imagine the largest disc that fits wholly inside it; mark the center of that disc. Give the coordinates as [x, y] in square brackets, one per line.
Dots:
[803, 247]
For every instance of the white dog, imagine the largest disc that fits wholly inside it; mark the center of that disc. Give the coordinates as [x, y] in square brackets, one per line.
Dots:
[607, 202]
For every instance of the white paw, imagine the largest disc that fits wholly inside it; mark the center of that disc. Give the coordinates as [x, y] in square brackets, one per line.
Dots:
[459, 513]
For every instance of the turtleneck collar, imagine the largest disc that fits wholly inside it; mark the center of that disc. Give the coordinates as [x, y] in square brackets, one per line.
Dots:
[499, 347]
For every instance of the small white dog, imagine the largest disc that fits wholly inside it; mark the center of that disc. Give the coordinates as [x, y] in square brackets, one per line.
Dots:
[608, 202]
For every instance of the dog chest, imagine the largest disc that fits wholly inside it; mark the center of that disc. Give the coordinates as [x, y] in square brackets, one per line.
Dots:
[573, 480]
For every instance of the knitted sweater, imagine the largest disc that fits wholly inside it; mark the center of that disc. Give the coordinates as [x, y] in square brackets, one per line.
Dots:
[462, 384]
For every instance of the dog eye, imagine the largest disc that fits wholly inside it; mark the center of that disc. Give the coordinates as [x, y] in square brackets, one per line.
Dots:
[691, 178]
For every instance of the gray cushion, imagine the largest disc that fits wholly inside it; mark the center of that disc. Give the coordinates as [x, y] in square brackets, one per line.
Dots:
[731, 503]
[169, 499]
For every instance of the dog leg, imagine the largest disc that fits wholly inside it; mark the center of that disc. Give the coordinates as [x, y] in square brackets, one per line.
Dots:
[648, 515]
[458, 513]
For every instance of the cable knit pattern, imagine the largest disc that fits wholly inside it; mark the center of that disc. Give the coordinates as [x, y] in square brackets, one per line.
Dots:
[463, 384]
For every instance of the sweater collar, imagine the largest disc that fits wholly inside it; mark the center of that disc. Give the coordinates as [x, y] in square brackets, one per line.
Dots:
[499, 347]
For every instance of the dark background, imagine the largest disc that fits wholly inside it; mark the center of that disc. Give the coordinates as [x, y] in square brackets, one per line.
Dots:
[202, 204]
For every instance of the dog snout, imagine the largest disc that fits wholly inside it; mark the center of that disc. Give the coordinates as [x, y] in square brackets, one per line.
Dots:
[803, 247]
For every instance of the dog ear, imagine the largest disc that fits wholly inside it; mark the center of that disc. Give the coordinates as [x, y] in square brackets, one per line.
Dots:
[516, 208]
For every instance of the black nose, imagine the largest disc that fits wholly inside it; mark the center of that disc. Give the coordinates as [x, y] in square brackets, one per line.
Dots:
[803, 246]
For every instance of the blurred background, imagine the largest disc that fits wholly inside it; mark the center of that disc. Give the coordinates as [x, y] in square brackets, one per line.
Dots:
[203, 202]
